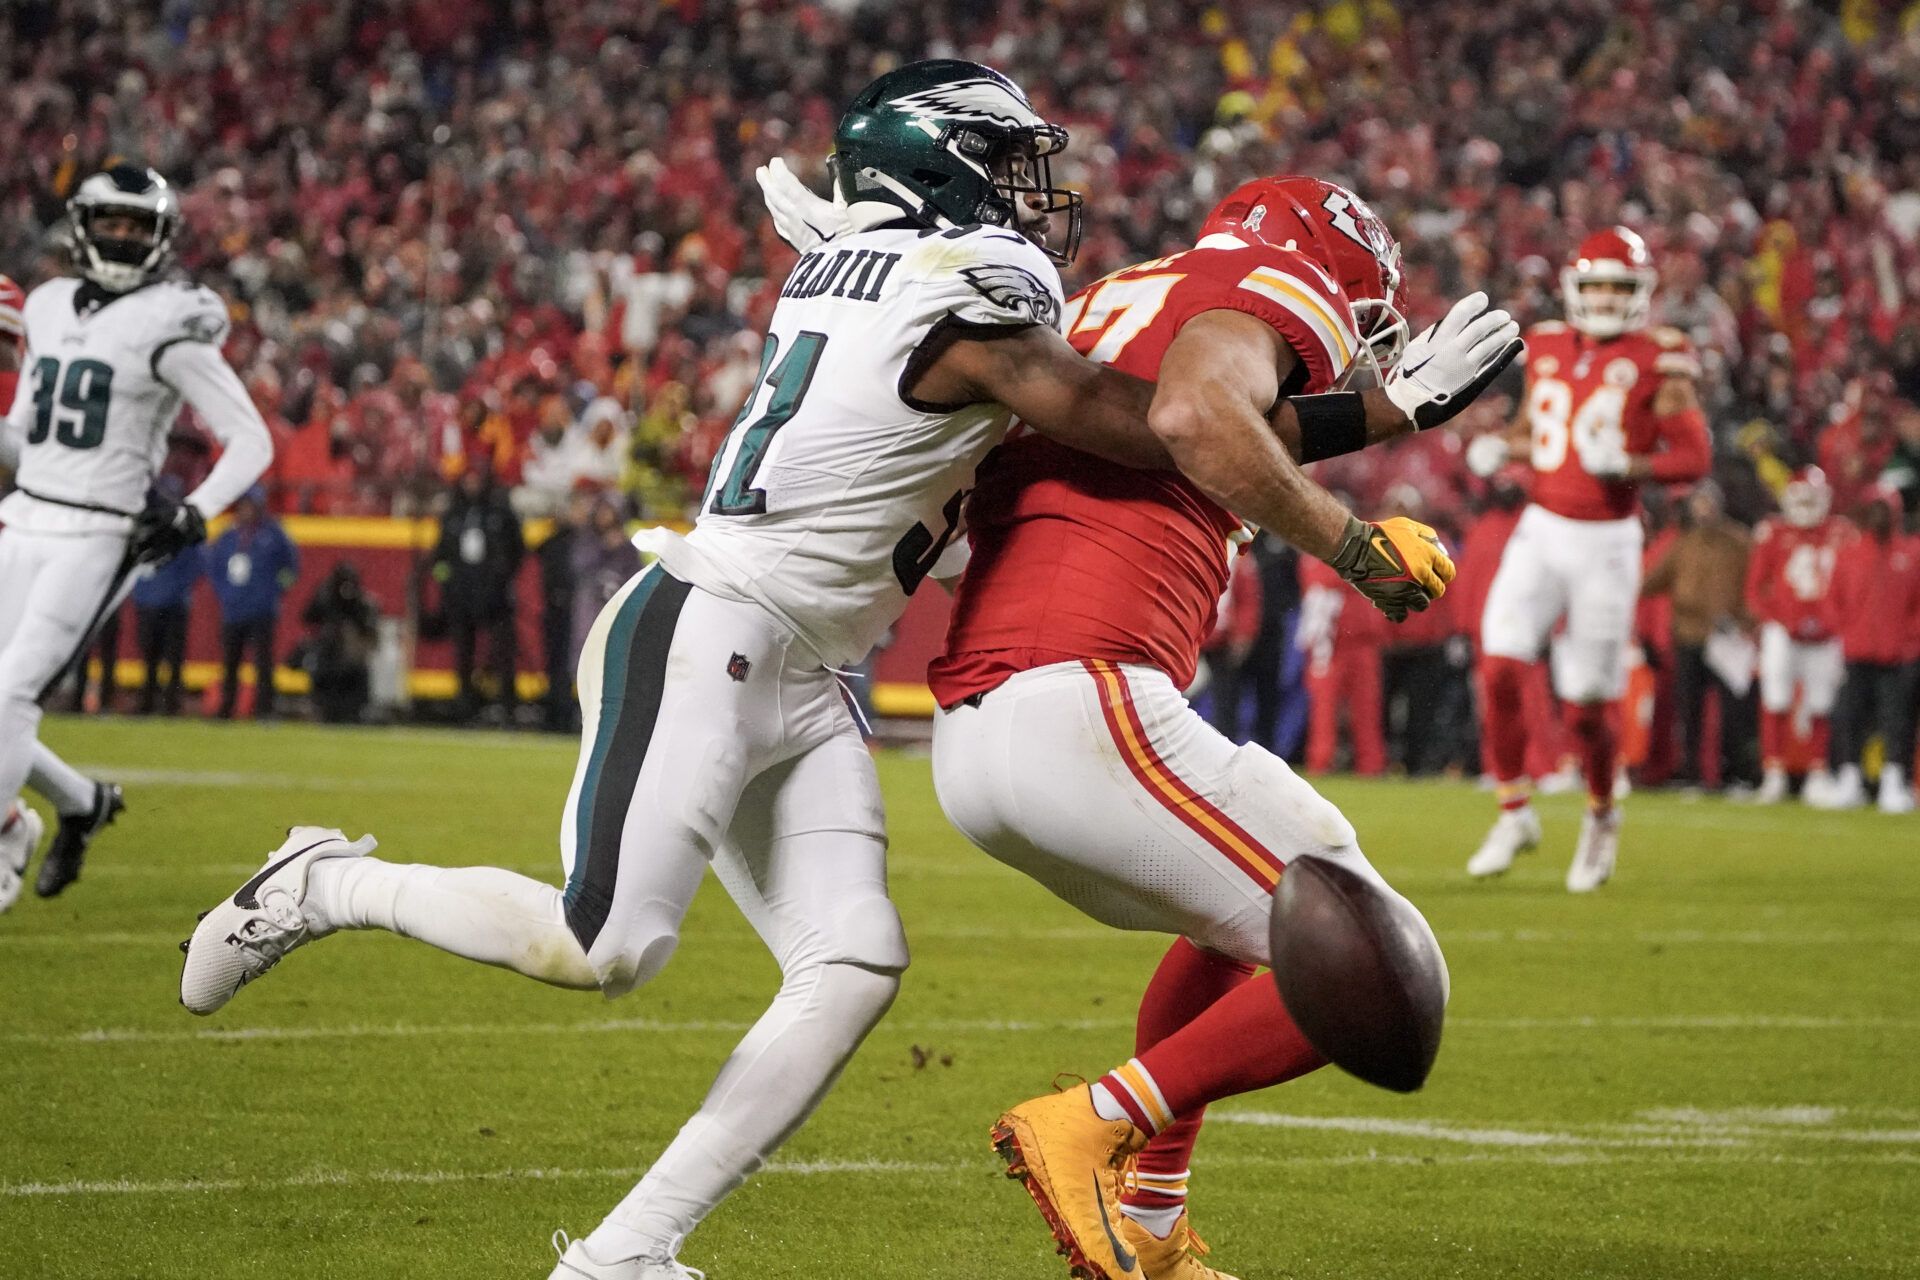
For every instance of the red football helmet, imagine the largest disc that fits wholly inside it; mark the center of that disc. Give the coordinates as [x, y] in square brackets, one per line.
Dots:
[1807, 498]
[13, 301]
[1609, 259]
[1336, 229]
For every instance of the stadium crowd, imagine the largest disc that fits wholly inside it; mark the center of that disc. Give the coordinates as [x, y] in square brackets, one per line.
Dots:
[522, 237]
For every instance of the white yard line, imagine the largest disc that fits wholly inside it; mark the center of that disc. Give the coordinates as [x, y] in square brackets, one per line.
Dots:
[321, 1178]
[412, 1030]
[1690, 1133]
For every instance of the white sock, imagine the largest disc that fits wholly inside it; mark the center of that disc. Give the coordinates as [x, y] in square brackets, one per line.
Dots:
[767, 1089]
[1106, 1106]
[70, 790]
[483, 913]
[1159, 1221]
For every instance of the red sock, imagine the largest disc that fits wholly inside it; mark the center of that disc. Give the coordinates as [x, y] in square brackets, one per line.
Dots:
[1821, 739]
[1503, 718]
[1188, 982]
[1596, 728]
[1246, 1041]
[1773, 738]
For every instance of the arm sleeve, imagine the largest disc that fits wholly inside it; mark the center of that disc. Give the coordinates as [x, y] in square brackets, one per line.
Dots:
[203, 377]
[1688, 454]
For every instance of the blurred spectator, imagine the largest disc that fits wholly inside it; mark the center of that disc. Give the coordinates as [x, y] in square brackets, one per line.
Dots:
[1236, 625]
[555, 557]
[161, 603]
[1875, 605]
[343, 630]
[602, 559]
[475, 563]
[1342, 636]
[1274, 669]
[1704, 572]
[250, 566]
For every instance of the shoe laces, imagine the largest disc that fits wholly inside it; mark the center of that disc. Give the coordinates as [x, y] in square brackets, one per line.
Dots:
[278, 929]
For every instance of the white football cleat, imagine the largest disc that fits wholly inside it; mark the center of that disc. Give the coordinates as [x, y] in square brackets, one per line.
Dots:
[1594, 855]
[1773, 787]
[247, 934]
[1515, 831]
[1819, 782]
[20, 833]
[1847, 791]
[1895, 795]
[575, 1263]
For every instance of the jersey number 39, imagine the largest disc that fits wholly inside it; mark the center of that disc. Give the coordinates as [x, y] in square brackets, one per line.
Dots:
[72, 409]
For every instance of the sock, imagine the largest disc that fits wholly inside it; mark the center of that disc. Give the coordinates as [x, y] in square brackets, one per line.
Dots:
[1188, 982]
[482, 913]
[1596, 727]
[1503, 716]
[1773, 739]
[70, 791]
[1822, 740]
[1246, 1041]
[767, 1089]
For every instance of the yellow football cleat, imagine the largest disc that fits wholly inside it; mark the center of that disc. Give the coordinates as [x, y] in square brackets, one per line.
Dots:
[1070, 1161]
[1175, 1258]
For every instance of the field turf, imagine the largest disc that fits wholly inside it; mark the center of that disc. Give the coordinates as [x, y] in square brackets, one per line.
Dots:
[1709, 1069]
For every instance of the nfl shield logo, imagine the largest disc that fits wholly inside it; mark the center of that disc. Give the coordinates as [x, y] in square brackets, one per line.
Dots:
[738, 667]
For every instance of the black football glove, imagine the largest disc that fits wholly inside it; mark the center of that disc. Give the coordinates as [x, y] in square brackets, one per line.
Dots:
[165, 529]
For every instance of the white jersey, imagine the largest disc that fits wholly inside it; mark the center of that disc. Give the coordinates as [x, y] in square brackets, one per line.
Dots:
[101, 385]
[837, 492]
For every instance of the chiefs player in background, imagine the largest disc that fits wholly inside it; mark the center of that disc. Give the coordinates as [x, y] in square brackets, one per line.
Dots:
[1609, 405]
[1789, 578]
[1064, 747]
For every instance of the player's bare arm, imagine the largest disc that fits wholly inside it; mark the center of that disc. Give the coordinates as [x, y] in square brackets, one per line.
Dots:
[1053, 389]
[1217, 383]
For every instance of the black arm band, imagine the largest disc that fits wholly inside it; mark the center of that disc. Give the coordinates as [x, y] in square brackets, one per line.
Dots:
[1331, 425]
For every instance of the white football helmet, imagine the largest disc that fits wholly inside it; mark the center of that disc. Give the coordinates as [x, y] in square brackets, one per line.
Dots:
[1614, 257]
[120, 263]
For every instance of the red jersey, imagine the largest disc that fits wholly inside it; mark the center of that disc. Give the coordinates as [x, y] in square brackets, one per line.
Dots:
[1590, 398]
[9, 381]
[1790, 575]
[1075, 557]
[1874, 606]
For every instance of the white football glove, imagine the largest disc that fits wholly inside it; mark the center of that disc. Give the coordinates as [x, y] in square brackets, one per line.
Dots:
[803, 219]
[1448, 365]
[1487, 453]
[1605, 460]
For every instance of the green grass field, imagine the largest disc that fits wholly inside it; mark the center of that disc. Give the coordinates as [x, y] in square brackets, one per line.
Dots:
[1709, 1069]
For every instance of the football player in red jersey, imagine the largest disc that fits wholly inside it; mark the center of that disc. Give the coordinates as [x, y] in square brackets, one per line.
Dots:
[1789, 578]
[13, 338]
[1610, 405]
[1064, 747]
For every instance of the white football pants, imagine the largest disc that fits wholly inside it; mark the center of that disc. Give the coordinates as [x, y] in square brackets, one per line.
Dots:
[711, 738]
[1586, 571]
[51, 589]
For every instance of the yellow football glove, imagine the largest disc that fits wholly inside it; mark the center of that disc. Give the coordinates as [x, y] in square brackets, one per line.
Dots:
[1399, 564]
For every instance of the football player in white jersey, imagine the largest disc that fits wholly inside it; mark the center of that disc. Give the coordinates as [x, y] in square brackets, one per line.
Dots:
[111, 355]
[716, 732]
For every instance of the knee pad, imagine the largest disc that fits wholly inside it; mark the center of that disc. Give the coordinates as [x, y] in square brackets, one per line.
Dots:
[633, 952]
[1281, 802]
[868, 933]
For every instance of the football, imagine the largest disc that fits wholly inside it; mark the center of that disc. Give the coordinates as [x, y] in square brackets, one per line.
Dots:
[1360, 971]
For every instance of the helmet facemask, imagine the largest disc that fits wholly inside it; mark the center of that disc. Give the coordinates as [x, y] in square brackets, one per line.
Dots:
[1606, 299]
[108, 256]
[1806, 501]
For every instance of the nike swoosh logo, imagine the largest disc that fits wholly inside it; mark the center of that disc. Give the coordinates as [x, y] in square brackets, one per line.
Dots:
[1120, 1254]
[245, 899]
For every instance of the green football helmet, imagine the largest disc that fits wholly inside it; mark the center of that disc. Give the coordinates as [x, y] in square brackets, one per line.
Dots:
[951, 144]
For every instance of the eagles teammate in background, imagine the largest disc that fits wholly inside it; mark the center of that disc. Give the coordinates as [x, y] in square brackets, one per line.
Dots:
[111, 354]
[715, 728]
